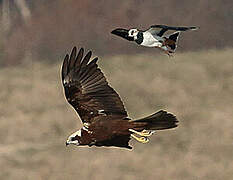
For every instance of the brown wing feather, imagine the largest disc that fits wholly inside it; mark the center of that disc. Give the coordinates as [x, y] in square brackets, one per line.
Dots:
[87, 90]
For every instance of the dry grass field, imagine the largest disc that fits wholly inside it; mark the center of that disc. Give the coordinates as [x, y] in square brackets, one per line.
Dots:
[35, 120]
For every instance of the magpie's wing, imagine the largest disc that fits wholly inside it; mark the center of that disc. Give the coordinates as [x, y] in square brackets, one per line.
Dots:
[159, 30]
[87, 90]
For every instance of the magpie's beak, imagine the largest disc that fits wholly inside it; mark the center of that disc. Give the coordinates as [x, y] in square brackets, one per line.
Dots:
[124, 33]
[67, 143]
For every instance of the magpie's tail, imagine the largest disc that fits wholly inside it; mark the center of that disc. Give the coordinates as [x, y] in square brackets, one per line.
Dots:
[171, 41]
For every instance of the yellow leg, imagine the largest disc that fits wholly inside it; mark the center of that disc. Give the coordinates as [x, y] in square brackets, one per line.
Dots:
[145, 133]
[140, 139]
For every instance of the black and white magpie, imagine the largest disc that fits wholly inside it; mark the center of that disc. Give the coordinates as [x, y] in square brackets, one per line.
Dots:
[154, 36]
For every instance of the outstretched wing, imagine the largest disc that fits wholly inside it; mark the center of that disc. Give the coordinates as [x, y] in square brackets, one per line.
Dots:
[86, 88]
[159, 30]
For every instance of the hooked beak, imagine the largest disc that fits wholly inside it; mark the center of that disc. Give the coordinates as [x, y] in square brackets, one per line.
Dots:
[124, 33]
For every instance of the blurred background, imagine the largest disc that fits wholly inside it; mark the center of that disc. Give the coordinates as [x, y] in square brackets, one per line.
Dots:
[196, 85]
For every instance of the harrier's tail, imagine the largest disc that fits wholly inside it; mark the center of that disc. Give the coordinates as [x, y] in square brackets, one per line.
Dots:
[159, 121]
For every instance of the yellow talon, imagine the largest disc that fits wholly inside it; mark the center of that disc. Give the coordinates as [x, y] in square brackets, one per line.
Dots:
[145, 133]
[140, 139]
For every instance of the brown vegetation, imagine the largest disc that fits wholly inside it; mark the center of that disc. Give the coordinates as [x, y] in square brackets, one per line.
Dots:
[35, 120]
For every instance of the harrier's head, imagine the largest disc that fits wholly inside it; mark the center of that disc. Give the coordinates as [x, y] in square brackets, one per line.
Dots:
[80, 137]
[74, 138]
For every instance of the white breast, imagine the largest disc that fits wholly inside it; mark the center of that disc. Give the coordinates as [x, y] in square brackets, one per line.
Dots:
[150, 41]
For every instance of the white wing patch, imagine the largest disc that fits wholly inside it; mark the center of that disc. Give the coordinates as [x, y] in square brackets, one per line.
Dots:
[150, 41]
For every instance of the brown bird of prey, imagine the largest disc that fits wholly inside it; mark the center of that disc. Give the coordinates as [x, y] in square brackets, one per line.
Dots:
[105, 120]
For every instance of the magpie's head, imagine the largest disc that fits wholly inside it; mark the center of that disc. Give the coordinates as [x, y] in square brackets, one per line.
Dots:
[133, 33]
[124, 33]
